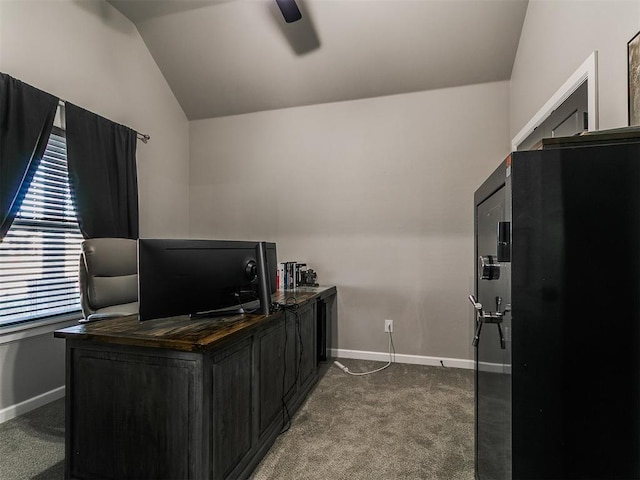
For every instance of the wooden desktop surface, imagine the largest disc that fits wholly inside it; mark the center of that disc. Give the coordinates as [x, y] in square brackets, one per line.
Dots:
[181, 332]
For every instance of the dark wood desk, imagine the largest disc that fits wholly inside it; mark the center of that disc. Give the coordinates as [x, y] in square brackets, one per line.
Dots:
[179, 398]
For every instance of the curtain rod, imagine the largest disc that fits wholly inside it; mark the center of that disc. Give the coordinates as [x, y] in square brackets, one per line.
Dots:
[140, 136]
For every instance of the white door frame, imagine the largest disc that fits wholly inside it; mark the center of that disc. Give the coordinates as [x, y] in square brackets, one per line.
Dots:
[587, 71]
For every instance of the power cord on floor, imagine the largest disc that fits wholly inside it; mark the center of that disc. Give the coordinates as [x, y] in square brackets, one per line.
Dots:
[359, 374]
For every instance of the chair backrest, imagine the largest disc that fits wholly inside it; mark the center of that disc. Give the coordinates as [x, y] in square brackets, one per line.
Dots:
[109, 276]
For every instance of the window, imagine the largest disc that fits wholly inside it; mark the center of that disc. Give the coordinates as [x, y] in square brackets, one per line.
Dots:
[39, 255]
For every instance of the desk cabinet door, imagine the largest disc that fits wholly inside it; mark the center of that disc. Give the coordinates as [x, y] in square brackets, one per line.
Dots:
[133, 416]
[290, 356]
[271, 354]
[307, 326]
[232, 418]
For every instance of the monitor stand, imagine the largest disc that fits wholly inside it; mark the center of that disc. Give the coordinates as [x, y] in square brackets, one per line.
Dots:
[230, 312]
[246, 308]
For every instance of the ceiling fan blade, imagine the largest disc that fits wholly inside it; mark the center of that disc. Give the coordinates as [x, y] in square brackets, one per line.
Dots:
[290, 10]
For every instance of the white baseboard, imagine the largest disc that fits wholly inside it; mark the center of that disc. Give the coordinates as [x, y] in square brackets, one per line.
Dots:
[402, 358]
[23, 407]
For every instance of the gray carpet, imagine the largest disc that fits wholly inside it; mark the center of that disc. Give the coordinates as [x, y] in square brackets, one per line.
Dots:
[406, 422]
[32, 445]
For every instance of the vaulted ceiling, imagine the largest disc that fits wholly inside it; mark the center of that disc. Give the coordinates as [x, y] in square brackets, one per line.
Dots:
[227, 57]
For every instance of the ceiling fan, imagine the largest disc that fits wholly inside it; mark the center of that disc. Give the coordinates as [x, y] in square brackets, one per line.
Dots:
[301, 36]
[290, 10]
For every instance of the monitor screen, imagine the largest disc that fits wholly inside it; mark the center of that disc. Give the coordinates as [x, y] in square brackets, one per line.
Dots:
[189, 277]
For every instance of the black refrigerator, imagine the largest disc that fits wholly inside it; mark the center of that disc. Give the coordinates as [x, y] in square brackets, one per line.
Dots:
[557, 312]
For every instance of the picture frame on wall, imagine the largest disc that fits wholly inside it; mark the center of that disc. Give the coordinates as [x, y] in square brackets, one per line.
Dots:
[633, 79]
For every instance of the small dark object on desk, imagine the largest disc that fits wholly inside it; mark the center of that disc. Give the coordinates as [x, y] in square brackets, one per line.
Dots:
[308, 278]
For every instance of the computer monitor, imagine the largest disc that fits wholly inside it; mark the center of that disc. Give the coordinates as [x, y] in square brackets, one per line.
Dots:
[204, 277]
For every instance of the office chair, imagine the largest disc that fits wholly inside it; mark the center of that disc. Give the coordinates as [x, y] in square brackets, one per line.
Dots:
[108, 278]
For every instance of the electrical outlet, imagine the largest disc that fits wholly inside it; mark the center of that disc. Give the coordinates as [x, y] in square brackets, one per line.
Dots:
[388, 326]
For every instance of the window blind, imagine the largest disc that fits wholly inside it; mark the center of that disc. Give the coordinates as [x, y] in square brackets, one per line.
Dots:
[39, 255]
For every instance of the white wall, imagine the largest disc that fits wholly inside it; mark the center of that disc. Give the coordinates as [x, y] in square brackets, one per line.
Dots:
[557, 36]
[376, 195]
[86, 52]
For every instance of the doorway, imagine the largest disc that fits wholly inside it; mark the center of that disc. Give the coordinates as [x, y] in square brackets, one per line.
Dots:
[573, 108]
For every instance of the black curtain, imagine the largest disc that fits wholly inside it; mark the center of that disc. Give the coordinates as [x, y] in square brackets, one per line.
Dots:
[26, 119]
[101, 156]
